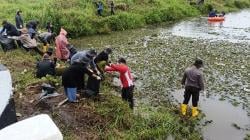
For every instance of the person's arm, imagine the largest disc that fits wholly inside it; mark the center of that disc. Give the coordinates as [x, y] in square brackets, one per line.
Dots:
[109, 68]
[183, 79]
[201, 81]
[91, 73]
[15, 37]
[4, 28]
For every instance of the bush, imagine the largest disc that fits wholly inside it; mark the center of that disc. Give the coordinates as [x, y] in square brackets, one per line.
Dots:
[125, 21]
[241, 4]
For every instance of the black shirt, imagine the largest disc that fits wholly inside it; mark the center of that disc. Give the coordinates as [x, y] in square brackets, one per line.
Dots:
[10, 30]
[45, 67]
[73, 76]
[102, 56]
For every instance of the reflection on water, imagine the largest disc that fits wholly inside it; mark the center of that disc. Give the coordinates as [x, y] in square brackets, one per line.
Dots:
[235, 28]
[223, 116]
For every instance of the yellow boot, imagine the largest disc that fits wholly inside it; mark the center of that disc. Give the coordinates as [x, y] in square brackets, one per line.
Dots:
[183, 109]
[195, 111]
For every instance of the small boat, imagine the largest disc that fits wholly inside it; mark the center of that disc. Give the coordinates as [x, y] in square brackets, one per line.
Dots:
[216, 19]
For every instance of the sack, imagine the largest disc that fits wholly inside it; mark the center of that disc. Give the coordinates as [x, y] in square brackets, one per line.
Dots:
[7, 43]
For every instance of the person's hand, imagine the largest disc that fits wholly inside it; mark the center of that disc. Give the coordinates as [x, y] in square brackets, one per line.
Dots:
[98, 72]
[204, 93]
[98, 78]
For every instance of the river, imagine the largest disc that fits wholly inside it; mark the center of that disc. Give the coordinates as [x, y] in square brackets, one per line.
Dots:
[159, 55]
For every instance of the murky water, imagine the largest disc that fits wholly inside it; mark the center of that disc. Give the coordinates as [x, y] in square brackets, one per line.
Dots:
[235, 28]
[158, 57]
[222, 117]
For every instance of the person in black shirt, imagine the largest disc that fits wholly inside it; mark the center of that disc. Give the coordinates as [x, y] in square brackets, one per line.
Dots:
[19, 20]
[10, 29]
[49, 27]
[44, 67]
[102, 59]
[112, 8]
[73, 77]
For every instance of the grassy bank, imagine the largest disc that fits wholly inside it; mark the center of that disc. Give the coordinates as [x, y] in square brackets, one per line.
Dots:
[79, 17]
[106, 117]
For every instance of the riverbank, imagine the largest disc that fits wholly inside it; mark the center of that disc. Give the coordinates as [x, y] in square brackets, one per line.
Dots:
[104, 117]
[79, 17]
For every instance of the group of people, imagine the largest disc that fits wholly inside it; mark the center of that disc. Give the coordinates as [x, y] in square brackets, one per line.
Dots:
[213, 13]
[81, 62]
[27, 37]
[90, 63]
[100, 8]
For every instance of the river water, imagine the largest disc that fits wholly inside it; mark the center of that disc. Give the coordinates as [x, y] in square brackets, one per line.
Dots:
[235, 28]
[158, 57]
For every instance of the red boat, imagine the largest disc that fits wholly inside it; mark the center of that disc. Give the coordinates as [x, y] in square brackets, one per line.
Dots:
[216, 19]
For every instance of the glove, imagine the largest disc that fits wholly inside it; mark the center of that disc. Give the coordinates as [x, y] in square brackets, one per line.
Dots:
[98, 78]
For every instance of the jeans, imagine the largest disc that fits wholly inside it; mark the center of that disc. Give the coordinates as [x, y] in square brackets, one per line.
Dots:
[70, 93]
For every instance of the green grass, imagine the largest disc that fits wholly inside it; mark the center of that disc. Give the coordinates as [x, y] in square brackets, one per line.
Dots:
[79, 17]
[122, 123]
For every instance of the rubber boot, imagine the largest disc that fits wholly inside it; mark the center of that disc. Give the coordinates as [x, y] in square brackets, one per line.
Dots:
[195, 111]
[183, 109]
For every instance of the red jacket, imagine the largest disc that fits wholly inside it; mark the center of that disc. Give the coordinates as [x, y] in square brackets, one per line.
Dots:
[125, 75]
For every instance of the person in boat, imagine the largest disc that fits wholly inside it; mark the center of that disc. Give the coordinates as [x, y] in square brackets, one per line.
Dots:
[222, 14]
[45, 67]
[9, 29]
[193, 82]
[125, 78]
[212, 13]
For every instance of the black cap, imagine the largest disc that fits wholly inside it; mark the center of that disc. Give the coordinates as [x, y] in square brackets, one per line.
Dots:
[198, 62]
[122, 60]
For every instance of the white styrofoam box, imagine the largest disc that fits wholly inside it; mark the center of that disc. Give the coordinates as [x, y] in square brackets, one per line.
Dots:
[5, 89]
[40, 127]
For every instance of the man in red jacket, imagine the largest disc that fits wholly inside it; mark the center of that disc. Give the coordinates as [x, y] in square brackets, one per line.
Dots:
[126, 80]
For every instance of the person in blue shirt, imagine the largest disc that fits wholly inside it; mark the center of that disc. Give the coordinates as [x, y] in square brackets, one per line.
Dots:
[212, 13]
[100, 8]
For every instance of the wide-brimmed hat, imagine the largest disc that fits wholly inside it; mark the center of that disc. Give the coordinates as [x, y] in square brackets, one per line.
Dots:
[24, 30]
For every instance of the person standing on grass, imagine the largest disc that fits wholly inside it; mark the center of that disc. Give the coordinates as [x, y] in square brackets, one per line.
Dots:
[126, 80]
[193, 82]
[100, 8]
[72, 77]
[112, 8]
[19, 20]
